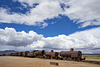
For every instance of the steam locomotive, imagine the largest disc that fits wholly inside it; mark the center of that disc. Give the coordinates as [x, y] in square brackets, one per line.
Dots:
[63, 55]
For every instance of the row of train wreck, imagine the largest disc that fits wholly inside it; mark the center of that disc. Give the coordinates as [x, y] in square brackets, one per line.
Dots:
[63, 55]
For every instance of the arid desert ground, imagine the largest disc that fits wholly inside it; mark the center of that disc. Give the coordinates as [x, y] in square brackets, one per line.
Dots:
[9, 61]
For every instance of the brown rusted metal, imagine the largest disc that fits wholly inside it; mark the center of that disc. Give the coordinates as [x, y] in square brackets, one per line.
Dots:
[51, 50]
[67, 55]
[3, 54]
[72, 49]
[72, 55]
[31, 54]
[76, 54]
[14, 54]
[54, 63]
[25, 54]
[39, 53]
[9, 54]
[51, 54]
[20, 53]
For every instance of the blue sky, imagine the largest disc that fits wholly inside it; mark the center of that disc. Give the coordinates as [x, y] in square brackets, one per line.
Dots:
[62, 24]
[50, 20]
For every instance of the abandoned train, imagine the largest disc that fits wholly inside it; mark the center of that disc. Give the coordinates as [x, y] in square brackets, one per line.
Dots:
[67, 55]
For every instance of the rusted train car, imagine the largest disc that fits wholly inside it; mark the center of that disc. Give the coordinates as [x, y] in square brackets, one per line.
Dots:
[67, 55]
[31, 54]
[39, 53]
[71, 55]
[20, 53]
[51, 55]
[25, 54]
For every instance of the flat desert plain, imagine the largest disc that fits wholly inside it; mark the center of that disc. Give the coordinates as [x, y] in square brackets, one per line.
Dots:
[10, 61]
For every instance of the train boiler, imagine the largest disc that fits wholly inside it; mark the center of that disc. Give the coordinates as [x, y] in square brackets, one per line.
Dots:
[51, 55]
[39, 53]
[20, 53]
[71, 55]
[31, 54]
[25, 54]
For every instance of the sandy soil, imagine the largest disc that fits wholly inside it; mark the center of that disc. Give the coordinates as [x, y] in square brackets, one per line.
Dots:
[9, 61]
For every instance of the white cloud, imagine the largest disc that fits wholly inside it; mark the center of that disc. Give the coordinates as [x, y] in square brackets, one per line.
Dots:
[32, 2]
[87, 39]
[35, 16]
[83, 11]
[9, 36]
[90, 38]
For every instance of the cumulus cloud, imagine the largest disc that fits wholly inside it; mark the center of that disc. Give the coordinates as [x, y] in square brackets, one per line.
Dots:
[85, 12]
[35, 16]
[88, 39]
[9, 36]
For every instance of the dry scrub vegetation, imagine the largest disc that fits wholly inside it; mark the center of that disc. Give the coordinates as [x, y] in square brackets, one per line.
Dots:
[92, 57]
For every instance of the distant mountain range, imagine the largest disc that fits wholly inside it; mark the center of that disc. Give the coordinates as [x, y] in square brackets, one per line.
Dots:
[10, 51]
[7, 51]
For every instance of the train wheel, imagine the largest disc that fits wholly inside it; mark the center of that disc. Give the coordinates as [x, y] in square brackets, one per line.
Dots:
[78, 59]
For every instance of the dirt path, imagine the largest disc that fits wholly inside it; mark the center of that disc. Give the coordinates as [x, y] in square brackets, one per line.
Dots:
[8, 61]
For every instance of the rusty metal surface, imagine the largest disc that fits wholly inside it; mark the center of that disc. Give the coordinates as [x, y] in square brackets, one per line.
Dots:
[67, 55]
[54, 63]
[76, 54]
[71, 53]
[20, 53]
[25, 53]
[39, 53]
[72, 49]
[51, 54]
[30, 54]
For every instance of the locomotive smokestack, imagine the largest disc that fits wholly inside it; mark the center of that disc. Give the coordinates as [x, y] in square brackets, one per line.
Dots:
[51, 50]
[72, 49]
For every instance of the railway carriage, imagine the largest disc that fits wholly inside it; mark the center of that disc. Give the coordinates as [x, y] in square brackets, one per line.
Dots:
[67, 55]
[51, 55]
[71, 55]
